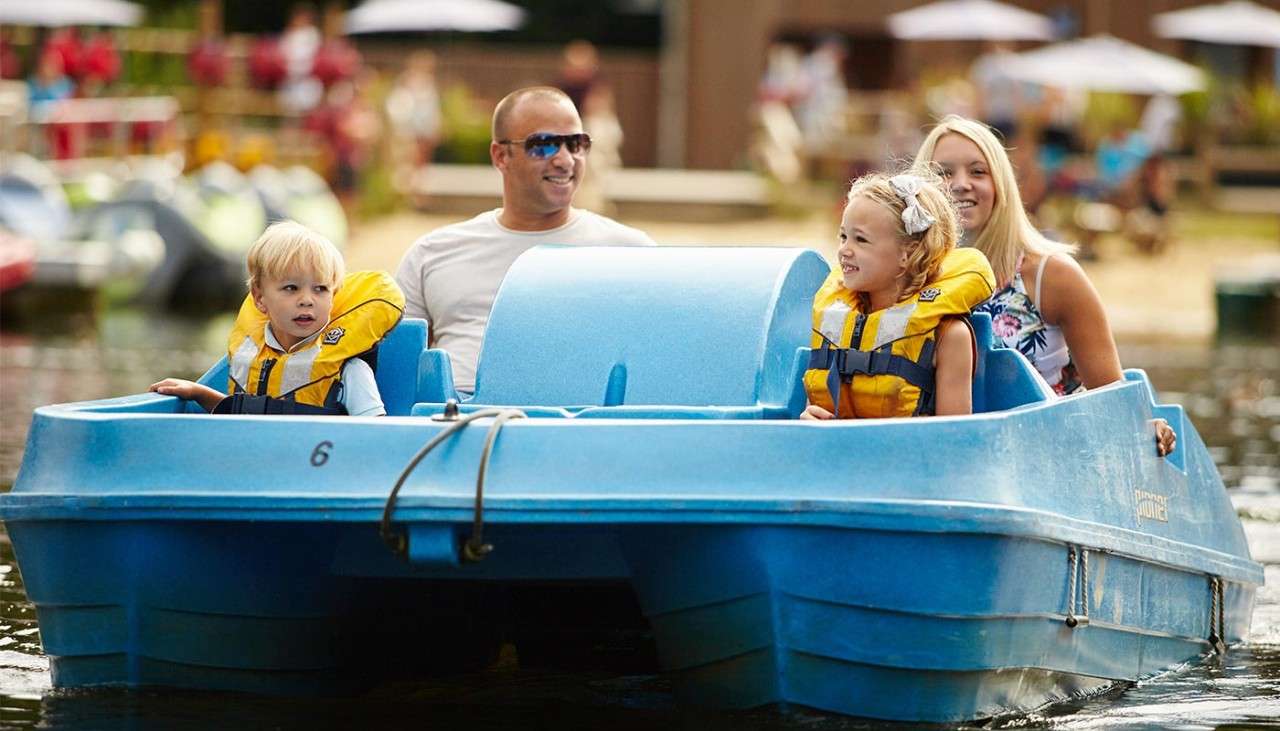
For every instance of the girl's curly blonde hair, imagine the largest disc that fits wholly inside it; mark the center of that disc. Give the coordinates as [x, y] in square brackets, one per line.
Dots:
[925, 250]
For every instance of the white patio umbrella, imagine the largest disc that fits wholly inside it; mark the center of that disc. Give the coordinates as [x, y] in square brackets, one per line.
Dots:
[957, 20]
[392, 16]
[1104, 63]
[1234, 23]
[59, 13]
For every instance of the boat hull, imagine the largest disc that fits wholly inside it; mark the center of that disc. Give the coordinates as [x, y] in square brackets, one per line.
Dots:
[879, 623]
[661, 494]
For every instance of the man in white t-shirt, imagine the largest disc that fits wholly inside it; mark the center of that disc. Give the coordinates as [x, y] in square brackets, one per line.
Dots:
[451, 276]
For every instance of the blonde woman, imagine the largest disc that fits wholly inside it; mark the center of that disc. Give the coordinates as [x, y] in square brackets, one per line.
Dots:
[1044, 305]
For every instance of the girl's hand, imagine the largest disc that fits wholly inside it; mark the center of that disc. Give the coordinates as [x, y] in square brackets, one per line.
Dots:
[1166, 439]
[813, 412]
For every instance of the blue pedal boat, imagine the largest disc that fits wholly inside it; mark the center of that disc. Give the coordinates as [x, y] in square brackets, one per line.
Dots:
[932, 569]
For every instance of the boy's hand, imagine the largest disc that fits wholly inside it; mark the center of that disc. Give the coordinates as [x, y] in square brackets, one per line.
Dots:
[1166, 439]
[813, 412]
[176, 387]
[207, 397]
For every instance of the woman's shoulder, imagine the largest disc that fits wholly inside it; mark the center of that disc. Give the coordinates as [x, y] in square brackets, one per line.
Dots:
[1065, 284]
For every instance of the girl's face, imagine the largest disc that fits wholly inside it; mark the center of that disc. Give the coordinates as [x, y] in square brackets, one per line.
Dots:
[871, 258]
[968, 179]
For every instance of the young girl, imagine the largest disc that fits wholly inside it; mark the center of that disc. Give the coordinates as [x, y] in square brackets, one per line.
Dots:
[889, 338]
[1045, 305]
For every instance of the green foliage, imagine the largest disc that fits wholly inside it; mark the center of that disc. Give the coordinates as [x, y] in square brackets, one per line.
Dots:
[1262, 107]
[1106, 112]
[378, 196]
[163, 14]
[153, 70]
[1196, 108]
[466, 128]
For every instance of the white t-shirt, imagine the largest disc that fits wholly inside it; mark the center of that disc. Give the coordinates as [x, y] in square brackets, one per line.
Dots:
[450, 276]
[359, 388]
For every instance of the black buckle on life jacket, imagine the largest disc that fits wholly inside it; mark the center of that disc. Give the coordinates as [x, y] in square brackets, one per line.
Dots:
[842, 364]
[243, 403]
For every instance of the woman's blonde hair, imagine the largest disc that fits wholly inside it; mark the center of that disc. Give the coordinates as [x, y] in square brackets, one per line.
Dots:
[925, 250]
[288, 247]
[1008, 233]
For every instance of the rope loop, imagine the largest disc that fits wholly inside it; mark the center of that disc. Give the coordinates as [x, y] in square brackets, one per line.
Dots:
[1077, 600]
[474, 548]
[1217, 616]
[1073, 562]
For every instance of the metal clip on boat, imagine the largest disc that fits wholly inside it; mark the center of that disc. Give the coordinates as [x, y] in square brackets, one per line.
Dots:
[450, 412]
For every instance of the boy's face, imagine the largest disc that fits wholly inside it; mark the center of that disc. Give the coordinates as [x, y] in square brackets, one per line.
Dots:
[297, 305]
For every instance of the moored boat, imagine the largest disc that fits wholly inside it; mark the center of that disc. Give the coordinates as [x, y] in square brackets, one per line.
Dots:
[916, 569]
[17, 261]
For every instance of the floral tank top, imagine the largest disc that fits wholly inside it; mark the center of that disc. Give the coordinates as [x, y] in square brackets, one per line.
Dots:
[1016, 322]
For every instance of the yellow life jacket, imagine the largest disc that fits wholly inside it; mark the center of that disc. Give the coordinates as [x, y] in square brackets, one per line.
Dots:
[365, 308]
[881, 364]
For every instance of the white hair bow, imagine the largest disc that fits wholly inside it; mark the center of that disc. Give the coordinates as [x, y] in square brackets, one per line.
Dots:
[914, 217]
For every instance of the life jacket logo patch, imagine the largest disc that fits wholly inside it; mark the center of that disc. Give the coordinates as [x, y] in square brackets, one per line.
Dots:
[930, 294]
[333, 336]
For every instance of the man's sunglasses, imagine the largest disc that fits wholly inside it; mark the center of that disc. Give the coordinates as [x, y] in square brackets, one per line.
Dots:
[541, 145]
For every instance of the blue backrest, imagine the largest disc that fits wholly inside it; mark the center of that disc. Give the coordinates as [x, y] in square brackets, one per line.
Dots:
[1003, 378]
[681, 326]
[397, 371]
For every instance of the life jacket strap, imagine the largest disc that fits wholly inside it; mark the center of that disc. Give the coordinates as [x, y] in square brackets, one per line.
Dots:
[842, 364]
[243, 403]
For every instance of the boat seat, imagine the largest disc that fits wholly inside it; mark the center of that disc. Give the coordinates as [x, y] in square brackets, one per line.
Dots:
[1003, 378]
[647, 332]
[399, 357]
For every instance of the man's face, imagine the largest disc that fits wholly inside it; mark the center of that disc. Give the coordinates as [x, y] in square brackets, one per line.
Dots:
[532, 186]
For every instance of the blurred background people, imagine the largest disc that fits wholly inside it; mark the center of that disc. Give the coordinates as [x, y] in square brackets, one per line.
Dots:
[820, 110]
[999, 95]
[600, 121]
[579, 71]
[299, 43]
[413, 109]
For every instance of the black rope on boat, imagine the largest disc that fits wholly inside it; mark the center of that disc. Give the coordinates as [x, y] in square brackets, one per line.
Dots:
[473, 549]
[1070, 586]
[1217, 616]
[1084, 586]
[1078, 561]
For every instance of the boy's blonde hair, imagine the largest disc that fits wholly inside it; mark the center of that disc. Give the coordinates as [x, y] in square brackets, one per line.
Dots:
[926, 249]
[1009, 233]
[287, 247]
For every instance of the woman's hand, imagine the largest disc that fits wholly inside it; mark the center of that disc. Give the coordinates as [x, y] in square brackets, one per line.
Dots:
[813, 412]
[1166, 438]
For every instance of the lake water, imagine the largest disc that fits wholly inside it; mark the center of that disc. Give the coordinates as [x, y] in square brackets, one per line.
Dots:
[1230, 389]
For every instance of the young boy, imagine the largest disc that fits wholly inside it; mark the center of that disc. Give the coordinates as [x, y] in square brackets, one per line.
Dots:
[295, 343]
